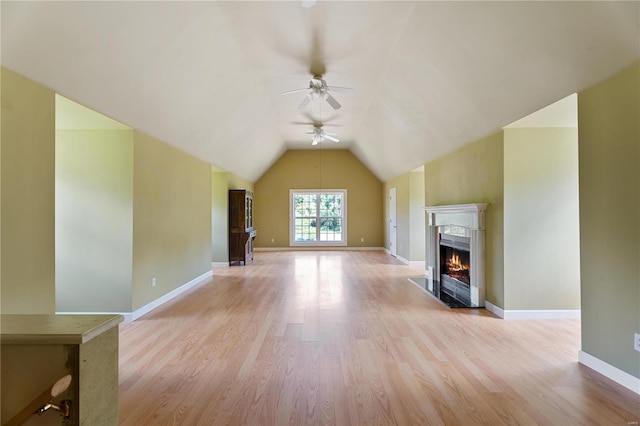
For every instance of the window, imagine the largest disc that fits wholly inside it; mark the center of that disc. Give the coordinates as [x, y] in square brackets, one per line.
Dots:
[318, 218]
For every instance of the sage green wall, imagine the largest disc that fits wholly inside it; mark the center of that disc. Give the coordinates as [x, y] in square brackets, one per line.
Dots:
[171, 218]
[219, 217]
[94, 220]
[609, 156]
[410, 216]
[403, 226]
[541, 220]
[474, 174]
[417, 216]
[27, 264]
[319, 169]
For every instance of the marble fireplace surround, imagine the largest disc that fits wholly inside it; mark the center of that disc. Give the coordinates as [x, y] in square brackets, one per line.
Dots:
[471, 217]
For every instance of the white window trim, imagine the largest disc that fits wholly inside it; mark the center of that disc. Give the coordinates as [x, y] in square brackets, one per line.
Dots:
[292, 233]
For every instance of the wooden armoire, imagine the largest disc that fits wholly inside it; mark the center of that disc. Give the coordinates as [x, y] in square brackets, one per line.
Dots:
[241, 232]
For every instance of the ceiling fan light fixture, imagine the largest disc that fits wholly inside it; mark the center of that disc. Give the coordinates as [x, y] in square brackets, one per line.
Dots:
[319, 89]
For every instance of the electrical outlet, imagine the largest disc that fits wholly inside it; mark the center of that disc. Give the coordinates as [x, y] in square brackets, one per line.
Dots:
[362, 240]
[153, 282]
[273, 240]
[636, 342]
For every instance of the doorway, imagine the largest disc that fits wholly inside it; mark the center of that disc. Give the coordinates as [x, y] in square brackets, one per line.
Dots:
[392, 222]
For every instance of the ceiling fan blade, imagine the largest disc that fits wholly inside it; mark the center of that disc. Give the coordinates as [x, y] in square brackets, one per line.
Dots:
[331, 138]
[315, 142]
[331, 134]
[295, 91]
[305, 102]
[341, 89]
[332, 101]
[313, 123]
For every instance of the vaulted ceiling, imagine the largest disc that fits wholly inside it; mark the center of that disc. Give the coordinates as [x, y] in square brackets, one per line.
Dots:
[428, 77]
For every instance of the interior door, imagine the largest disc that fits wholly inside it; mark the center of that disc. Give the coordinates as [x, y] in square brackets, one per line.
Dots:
[392, 222]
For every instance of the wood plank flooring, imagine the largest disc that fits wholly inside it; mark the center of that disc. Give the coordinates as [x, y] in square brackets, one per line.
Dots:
[343, 338]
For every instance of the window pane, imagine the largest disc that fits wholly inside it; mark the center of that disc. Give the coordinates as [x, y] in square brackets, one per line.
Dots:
[331, 205]
[305, 229]
[305, 205]
[330, 229]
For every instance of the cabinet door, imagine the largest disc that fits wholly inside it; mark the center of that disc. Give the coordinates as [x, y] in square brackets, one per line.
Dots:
[236, 211]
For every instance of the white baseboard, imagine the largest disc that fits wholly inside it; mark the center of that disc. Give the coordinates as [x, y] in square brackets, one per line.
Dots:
[621, 377]
[542, 314]
[494, 309]
[515, 314]
[336, 248]
[219, 264]
[406, 261]
[161, 300]
[132, 316]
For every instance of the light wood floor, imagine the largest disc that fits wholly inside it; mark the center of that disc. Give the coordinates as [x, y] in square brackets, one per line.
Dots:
[342, 338]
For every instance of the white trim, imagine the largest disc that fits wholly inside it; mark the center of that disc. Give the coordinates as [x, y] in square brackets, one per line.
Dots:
[406, 261]
[621, 377]
[173, 293]
[319, 244]
[215, 265]
[127, 315]
[466, 215]
[517, 314]
[496, 310]
[132, 316]
[319, 248]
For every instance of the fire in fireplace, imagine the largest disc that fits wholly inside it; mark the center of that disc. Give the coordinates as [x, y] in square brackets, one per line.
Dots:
[455, 262]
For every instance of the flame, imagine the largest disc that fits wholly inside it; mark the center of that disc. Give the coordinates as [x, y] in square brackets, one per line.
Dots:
[455, 264]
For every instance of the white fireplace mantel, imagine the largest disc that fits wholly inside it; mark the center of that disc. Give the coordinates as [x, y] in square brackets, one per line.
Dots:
[471, 217]
[467, 215]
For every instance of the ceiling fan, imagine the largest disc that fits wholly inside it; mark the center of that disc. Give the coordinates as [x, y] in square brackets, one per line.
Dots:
[319, 89]
[319, 135]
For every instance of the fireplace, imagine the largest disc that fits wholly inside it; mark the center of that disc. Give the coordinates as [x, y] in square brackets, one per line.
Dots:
[455, 265]
[456, 254]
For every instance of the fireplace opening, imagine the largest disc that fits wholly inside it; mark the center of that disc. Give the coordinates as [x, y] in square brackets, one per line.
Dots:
[455, 263]
[455, 281]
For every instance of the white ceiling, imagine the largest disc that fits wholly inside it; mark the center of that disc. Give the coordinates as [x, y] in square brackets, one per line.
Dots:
[428, 77]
